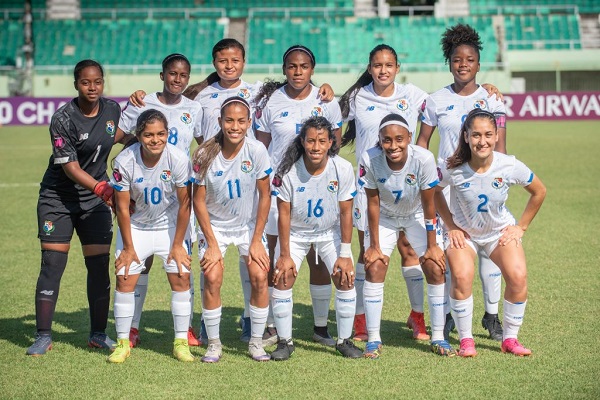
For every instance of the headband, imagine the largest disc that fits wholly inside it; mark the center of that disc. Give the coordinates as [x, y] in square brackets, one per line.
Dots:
[235, 100]
[394, 122]
[300, 48]
[172, 56]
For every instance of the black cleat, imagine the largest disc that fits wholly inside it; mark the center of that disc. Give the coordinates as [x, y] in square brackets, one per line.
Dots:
[348, 349]
[284, 350]
[493, 325]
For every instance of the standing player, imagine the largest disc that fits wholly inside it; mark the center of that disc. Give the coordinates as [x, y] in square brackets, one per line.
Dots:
[72, 191]
[229, 170]
[478, 221]
[281, 108]
[399, 180]
[314, 190]
[156, 177]
[447, 109]
[184, 117]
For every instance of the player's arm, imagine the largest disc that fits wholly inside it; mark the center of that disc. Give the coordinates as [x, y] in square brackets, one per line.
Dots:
[373, 252]
[326, 93]
[192, 90]
[425, 133]
[263, 137]
[284, 262]
[178, 252]
[455, 234]
[433, 251]
[100, 188]
[257, 251]
[343, 265]
[338, 136]
[137, 98]
[212, 255]
[128, 254]
[493, 90]
[122, 137]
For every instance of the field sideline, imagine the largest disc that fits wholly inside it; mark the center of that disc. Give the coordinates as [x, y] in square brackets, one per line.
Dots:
[561, 324]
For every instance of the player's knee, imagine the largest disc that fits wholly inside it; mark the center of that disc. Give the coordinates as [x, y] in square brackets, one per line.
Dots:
[376, 272]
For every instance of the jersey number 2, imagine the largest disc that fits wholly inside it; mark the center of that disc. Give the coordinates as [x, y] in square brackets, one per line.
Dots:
[484, 200]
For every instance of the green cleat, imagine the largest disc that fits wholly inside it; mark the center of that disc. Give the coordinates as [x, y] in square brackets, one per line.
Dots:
[181, 350]
[122, 351]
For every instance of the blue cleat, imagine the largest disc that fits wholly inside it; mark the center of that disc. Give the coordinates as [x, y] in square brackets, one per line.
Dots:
[40, 346]
[373, 350]
[442, 348]
[100, 340]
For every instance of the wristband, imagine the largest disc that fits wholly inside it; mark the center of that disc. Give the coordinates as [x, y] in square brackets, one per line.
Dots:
[346, 250]
[430, 224]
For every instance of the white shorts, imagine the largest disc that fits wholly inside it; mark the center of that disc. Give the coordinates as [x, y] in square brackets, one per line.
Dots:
[148, 243]
[486, 247]
[359, 213]
[271, 226]
[327, 250]
[413, 227]
[240, 238]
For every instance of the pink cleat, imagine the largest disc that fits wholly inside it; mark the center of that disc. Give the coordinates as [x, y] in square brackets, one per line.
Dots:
[467, 348]
[514, 347]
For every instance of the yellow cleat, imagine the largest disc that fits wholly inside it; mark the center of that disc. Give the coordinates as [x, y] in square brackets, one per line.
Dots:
[181, 350]
[122, 351]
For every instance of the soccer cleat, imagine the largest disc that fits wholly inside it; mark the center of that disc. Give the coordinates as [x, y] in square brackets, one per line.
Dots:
[325, 340]
[467, 348]
[513, 346]
[134, 337]
[101, 341]
[416, 322]
[214, 351]
[448, 327]
[270, 337]
[122, 351]
[40, 346]
[246, 326]
[348, 349]
[192, 339]
[256, 350]
[181, 350]
[285, 348]
[373, 350]
[442, 348]
[493, 325]
[360, 328]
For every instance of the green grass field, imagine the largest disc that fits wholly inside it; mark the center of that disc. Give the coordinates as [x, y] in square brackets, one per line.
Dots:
[561, 325]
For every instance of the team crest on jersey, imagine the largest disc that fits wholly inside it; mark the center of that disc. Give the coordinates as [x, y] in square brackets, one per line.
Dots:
[482, 104]
[361, 171]
[497, 183]
[244, 94]
[186, 118]
[411, 179]
[402, 105]
[59, 142]
[48, 227]
[247, 166]
[317, 111]
[165, 176]
[117, 175]
[333, 186]
[356, 213]
[110, 128]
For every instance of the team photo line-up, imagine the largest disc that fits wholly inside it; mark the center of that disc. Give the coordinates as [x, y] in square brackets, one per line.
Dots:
[266, 178]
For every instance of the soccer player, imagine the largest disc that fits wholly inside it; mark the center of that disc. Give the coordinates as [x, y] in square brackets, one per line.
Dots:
[281, 108]
[399, 180]
[447, 109]
[477, 220]
[314, 190]
[229, 171]
[156, 176]
[72, 197]
[184, 118]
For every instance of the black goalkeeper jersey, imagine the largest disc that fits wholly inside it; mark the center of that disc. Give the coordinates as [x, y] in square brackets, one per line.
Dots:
[76, 137]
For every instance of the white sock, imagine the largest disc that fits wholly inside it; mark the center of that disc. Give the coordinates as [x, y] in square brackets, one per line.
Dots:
[447, 286]
[212, 322]
[258, 318]
[413, 275]
[359, 283]
[513, 318]
[191, 297]
[345, 308]
[123, 310]
[246, 286]
[180, 307]
[321, 297]
[141, 288]
[462, 312]
[373, 303]
[270, 318]
[437, 316]
[491, 283]
[283, 305]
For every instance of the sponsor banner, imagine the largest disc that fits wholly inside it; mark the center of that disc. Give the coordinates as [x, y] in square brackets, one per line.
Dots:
[34, 111]
[553, 106]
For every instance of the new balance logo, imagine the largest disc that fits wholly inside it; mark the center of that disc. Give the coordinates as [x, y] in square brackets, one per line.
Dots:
[214, 95]
[47, 292]
[219, 173]
[381, 180]
[451, 107]
[84, 136]
[139, 180]
[284, 114]
[300, 189]
[370, 108]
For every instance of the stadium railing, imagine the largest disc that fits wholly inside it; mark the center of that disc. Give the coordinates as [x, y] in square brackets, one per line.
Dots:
[523, 9]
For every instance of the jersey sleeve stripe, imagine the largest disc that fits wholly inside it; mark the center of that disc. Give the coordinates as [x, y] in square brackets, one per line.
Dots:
[530, 178]
[268, 171]
[434, 183]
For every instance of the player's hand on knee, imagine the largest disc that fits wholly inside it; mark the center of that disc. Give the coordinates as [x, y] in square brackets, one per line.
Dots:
[510, 233]
[257, 254]
[372, 255]
[212, 258]
[181, 257]
[104, 191]
[125, 259]
[284, 265]
[344, 268]
[435, 254]
[457, 238]
[137, 98]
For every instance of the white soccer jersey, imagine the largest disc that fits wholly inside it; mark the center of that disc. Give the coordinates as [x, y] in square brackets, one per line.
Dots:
[447, 110]
[368, 109]
[184, 119]
[212, 97]
[231, 186]
[477, 201]
[399, 191]
[152, 189]
[315, 209]
[283, 116]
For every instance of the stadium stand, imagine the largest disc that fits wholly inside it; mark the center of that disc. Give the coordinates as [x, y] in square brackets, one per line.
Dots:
[478, 7]
[555, 31]
[11, 33]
